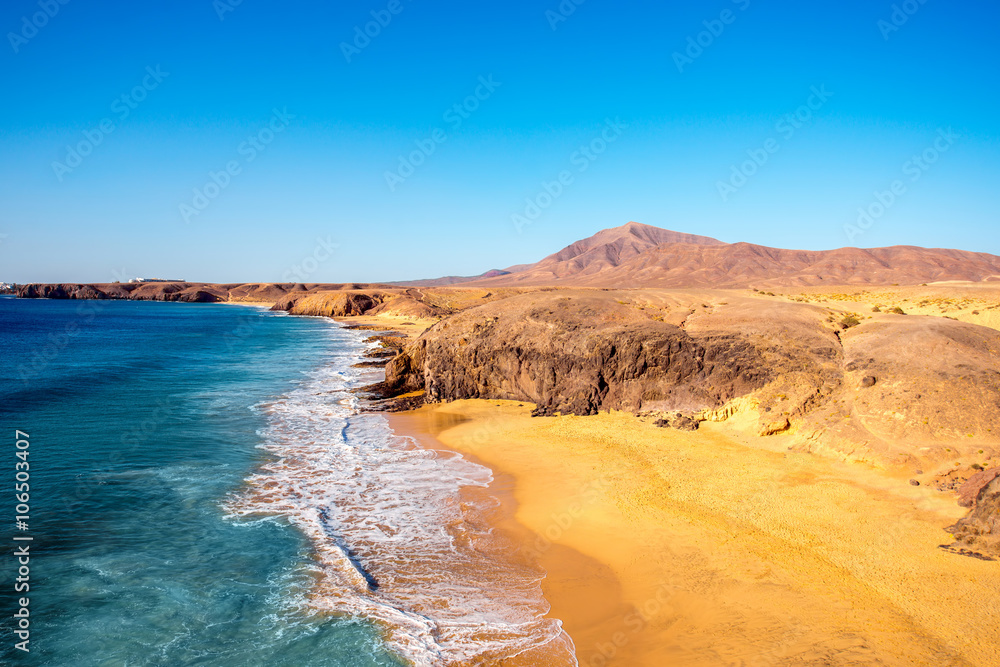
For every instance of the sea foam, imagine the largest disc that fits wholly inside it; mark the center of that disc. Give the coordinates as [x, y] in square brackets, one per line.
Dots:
[398, 539]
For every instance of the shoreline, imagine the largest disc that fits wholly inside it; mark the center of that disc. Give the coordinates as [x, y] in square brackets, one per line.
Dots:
[563, 566]
[663, 547]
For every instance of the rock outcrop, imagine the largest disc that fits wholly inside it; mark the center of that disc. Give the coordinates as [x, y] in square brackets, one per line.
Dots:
[784, 370]
[186, 292]
[283, 294]
[348, 303]
[582, 352]
[979, 532]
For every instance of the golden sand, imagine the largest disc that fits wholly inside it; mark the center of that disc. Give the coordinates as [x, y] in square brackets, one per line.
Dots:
[975, 303]
[708, 548]
[410, 326]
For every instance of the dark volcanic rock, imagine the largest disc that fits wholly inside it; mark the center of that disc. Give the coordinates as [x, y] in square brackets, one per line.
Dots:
[679, 422]
[576, 355]
[61, 291]
[199, 296]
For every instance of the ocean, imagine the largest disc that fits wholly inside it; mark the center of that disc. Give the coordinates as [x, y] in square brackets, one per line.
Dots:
[204, 490]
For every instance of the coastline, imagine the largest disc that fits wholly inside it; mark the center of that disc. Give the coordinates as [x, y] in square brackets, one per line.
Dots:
[715, 547]
[581, 611]
[706, 548]
[410, 327]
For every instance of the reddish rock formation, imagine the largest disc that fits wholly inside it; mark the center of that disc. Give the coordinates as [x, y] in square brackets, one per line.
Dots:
[969, 492]
[979, 532]
[636, 255]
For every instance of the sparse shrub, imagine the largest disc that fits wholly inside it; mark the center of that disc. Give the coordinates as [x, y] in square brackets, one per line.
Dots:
[876, 309]
[849, 321]
[897, 310]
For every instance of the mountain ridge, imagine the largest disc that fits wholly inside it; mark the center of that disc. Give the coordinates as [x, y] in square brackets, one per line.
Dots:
[636, 255]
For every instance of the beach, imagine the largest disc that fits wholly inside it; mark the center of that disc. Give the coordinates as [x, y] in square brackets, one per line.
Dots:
[717, 548]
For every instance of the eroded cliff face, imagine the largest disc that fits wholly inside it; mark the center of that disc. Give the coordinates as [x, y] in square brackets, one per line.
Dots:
[580, 353]
[351, 303]
[282, 293]
[893, 390]
[140, 292]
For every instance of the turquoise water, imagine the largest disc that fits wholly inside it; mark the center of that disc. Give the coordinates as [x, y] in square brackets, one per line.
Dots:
[206, 491]
[142, 422]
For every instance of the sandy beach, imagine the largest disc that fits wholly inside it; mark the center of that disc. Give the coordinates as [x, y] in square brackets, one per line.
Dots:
[717, 548]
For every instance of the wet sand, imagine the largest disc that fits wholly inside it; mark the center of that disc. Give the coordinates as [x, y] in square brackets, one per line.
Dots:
[713, 548]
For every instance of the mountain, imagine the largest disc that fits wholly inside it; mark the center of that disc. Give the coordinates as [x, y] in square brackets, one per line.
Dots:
[448, 280]
[636, 255]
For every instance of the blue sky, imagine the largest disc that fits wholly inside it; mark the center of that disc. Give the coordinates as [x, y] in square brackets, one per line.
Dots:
[675, 114]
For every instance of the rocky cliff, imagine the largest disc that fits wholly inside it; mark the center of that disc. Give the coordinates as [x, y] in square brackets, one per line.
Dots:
[580, 352]
[886, 388]
[189, 292]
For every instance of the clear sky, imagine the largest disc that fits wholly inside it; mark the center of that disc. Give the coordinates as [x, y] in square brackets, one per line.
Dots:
[769, 122]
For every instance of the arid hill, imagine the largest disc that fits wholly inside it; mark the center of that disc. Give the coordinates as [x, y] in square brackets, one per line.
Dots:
[636, 255]
[449, 280]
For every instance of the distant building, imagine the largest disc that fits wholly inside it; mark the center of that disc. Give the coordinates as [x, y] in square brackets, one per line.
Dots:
[154, 280]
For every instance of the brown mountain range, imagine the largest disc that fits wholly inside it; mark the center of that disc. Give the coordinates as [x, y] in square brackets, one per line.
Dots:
[637, 255]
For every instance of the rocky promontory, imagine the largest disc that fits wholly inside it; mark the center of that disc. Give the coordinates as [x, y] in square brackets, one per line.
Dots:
[179, 291]
[578, 353]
